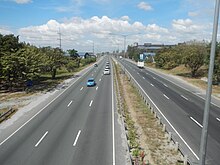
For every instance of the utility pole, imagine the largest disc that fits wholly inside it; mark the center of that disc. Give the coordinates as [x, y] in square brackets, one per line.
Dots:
[93, 48]
[59, 38]
[204, 137]
[124, 43]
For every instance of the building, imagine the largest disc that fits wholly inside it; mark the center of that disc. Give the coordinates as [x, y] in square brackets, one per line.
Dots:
[151, 49]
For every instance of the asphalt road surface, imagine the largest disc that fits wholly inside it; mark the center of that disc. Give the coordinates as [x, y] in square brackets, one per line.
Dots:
[75, 128]
[184, 111]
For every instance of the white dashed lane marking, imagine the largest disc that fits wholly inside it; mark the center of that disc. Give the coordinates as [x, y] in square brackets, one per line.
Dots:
[196, 122]
[69, 103]
[166, 96]
[91, 103]
[41, 139]
[184, 97]
[77, 137]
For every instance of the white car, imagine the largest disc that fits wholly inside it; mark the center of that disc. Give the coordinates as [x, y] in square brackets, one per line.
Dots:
[106, 71]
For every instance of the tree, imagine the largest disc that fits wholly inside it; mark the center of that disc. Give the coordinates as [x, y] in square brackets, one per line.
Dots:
[75, 56]
[216, 72]
[168, 58]
[73, 53]
[194, 57]
[134, 52]
[54, 59]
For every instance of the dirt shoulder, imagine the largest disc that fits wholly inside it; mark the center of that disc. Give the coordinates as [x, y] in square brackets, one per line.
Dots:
[147, 141]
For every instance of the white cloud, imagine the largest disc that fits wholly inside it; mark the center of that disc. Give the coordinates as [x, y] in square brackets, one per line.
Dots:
[144, 6]
[73, 7]
[186, 29]
[193, 14]
[107, 33]
[186, 26]
[125, 18]
[23, 1]
[5, 31]
[156, 28]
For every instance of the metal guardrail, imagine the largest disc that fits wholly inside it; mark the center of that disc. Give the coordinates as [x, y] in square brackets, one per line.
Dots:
[6, 114]
[167, 126]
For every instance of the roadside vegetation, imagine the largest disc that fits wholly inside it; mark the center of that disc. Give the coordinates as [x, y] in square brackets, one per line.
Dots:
[26, 69]
[147, 142]
[189, 60]
[24, 65]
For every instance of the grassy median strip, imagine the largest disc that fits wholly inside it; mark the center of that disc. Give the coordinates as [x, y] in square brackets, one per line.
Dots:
[148, 144]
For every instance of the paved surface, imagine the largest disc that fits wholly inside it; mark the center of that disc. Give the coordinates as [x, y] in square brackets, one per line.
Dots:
[184, 111]
[74, 126]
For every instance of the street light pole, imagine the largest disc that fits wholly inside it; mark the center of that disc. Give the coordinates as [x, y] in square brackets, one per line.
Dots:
[203, 144]
[124, 43]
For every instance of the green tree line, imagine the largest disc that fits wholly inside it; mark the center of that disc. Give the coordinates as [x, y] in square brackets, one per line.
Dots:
[193, 55]
[21, 62]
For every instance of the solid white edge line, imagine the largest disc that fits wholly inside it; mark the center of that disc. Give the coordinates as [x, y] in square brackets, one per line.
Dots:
[217, 119]
[97, 88]
[152, 85]
[45, 134]
[42, 109]
[165, 85]
[166, 119]
[77, 137]
[69, 103]
[166, 96]
[184, 97]
[91, 103]
[81, 88]
[196, 122]
[113, 125]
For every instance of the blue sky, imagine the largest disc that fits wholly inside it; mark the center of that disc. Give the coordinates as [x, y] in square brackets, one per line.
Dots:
[84, 22]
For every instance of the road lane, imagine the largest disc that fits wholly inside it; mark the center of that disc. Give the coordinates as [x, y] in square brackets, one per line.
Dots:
[97, 149]
[54, 147]
[185, 107]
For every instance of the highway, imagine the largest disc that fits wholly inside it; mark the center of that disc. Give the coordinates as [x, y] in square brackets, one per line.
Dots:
[77, 127]
[183, 110]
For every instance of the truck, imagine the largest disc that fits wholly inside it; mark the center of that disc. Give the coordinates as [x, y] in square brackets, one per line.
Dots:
[140, 64]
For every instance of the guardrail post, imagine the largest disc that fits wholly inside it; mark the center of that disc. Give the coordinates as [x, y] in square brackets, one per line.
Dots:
[169, 136]
[152, 110]
[155, 115]
[159, 120]
[164, 128]
[176, 146]
[185, 161]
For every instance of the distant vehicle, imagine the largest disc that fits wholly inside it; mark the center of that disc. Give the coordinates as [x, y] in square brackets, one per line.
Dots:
[95, 65]
[107, 62]
[107, 67]
[91, 82]
[140, 64]
[106, 72]
[120, 57]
